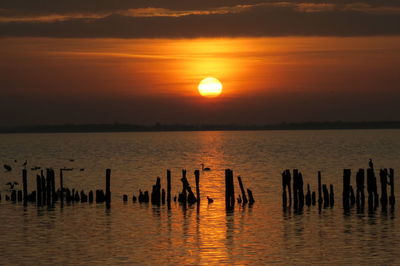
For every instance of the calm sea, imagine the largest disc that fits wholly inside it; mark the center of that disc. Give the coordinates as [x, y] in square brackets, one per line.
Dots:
[134, 233]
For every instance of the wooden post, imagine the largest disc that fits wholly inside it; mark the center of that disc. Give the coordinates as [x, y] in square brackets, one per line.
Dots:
[295, 189]
[360, 197]
[319, 189]
[90, 196]
[244, 198]
[197, 177]
[25, 186]
[352, 197]
[251, 198]
[301, 192]
[392, 199]
[53, 185]
[331, 196]
[43, 188]
[326, 195]
[169, 188]
[308, 196]
[229, 190]
[346, 188]
[38, 190]
[383, 173]
[48, 187]
[62, 186]
[191, 198]
[163, 196]
[108, 192]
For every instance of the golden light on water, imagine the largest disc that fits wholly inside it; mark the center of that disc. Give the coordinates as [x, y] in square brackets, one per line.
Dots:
[210, 87]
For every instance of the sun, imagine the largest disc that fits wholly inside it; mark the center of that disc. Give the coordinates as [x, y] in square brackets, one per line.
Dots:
[210, 87]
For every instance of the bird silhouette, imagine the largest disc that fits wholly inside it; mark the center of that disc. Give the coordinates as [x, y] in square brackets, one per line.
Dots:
[205, 168]
[7, 167]
[371, 164]
[82, 169]
[239, 199]
[11, 184]
[25, 163]
[210, 200]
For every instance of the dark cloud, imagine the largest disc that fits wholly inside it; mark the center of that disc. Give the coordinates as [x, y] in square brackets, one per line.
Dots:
[278, 19]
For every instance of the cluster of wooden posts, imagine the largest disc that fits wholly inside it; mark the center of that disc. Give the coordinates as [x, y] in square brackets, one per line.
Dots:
[327, 198]
[46, 193]
[187, 196]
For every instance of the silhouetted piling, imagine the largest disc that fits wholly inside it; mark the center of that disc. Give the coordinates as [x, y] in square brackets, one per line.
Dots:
[251, 198]
[90, 196]
[331, 196]
[44, 188]
[229, 190]
[346, 188]
[352, 196]
[61, 186]
[125, 198]
[298, 194]
[156, 193]
[197, 179]
[326, 195]
[319, 189]
[383, 173]
[163, 196]
[191, 198]
[360, 197]
[373, 200]
[38, 190]
[84, 197]
[19, 193]
[48, 187]
[285, 193]
[169, 188]
[108, 191]
[313, 198]
[392, 199]
[308, 196]
[244, 197]
[25, 186]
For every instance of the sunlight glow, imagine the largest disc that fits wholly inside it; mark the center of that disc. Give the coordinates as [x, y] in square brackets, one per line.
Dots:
[210, 87]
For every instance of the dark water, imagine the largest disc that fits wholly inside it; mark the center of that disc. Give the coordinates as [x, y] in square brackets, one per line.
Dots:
[143, 234]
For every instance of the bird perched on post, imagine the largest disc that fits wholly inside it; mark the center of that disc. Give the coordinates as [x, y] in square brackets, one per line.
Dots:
[371, 164]
[12, 184]
[7, 167]
[210, 200]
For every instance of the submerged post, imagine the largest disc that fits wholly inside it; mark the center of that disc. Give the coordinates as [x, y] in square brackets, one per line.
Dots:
[108, 192]
[25, 186]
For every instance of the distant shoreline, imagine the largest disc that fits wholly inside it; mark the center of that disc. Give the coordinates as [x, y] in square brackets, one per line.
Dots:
[119, 127]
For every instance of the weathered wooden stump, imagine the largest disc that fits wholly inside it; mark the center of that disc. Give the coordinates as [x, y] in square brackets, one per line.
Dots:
[331, 196]
[392, 199]
[346, 189]
[229, 190]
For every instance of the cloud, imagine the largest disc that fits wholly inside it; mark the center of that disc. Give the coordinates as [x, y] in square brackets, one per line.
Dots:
[153, 19]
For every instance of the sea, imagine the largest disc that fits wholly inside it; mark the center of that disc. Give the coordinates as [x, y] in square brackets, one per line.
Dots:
[144, 234]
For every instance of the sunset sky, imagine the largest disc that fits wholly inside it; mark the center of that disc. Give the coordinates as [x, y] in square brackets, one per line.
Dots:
[104, 61]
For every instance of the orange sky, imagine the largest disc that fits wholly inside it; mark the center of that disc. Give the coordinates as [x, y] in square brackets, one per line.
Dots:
[254, 72]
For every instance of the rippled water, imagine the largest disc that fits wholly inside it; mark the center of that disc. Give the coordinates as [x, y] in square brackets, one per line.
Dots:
[145, 234]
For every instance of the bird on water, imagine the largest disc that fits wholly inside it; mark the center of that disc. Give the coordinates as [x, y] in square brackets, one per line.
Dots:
[210, 200]
[205, 168]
